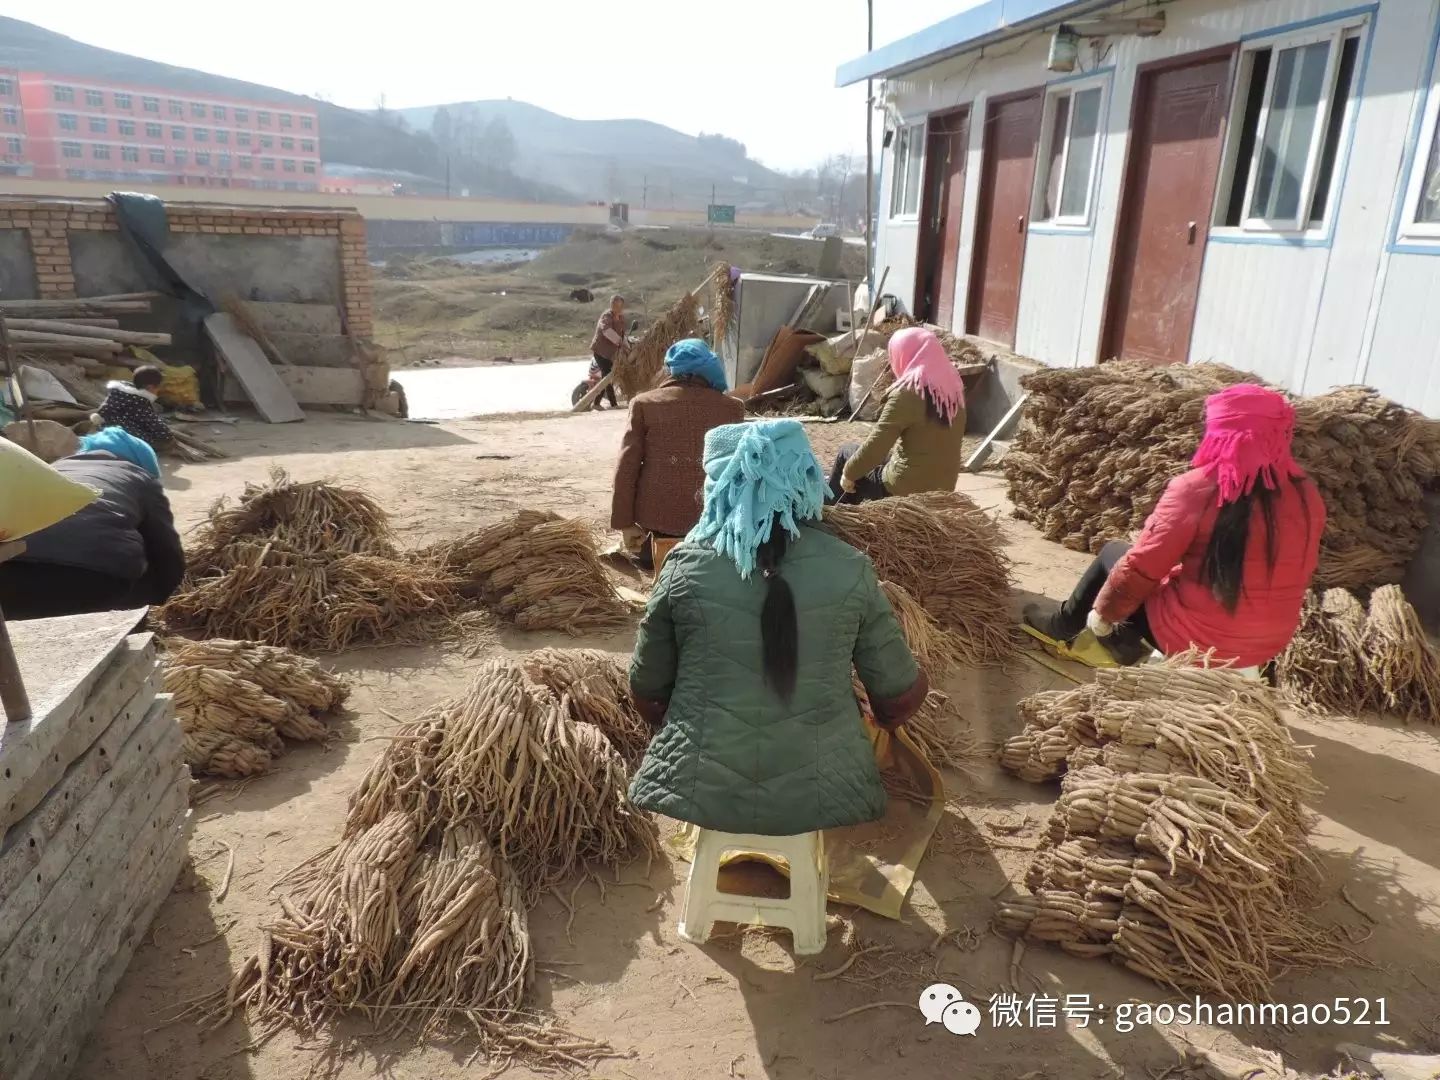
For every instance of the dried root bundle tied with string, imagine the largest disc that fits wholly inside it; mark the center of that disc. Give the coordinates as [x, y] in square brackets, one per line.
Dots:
[1176, 718]
[546, 787]
[1094, 897]
[238, 701]
[594, 687]
[314, 517]
[948, 555]
[422, 931]
[538, 569]
[1346, 660]
[267, 591]
[1098, 445]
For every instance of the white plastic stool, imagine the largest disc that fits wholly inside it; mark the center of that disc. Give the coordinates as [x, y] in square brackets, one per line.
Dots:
[1158, 657]
[802, 913]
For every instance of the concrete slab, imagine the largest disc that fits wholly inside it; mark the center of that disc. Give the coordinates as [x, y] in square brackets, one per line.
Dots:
[278, 318]
[313, 385]
[252, 370]
[31, 767]
[314, 350]
[39, 849]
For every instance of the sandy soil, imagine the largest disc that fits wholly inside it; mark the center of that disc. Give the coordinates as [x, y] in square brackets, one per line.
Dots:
[741, 1007]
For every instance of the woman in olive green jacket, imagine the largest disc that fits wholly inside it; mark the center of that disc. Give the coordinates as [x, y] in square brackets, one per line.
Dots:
[746, 675]
[917, 443]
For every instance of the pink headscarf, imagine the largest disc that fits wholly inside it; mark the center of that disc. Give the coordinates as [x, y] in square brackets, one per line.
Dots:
[1248, 430]
[920, 364]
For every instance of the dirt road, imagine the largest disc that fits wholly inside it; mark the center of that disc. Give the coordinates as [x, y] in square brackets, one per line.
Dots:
[739, 1007]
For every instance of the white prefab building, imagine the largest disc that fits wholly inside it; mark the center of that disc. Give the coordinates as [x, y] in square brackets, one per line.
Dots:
[1250, 181]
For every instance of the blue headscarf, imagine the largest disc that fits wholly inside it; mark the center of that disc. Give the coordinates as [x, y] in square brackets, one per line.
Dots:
[693, 357]
[756, 474]
[118, 441]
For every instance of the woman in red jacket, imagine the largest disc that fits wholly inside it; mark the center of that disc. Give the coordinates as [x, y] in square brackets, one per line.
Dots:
[1224, 559]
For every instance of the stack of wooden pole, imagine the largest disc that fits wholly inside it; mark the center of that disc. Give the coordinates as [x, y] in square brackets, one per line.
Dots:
[84, 330]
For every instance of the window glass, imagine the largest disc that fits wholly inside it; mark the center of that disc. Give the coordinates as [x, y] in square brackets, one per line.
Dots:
[1080, 158]
[1289, 131]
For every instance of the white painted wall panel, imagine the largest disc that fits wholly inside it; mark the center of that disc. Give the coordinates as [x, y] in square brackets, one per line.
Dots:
[1257, 307]
[1053, 297]
[1405, 355]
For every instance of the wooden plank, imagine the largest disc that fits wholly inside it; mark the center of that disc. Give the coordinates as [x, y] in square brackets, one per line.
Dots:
[314, 385]
[594, 394]
[80, 330]
[65, 927]
[53, 1047]
[36, 754]
[982, 452]
[245, 360]
[38, 850]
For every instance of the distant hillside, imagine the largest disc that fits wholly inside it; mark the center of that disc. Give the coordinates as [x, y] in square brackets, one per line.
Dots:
[346, 135]
[633, 161]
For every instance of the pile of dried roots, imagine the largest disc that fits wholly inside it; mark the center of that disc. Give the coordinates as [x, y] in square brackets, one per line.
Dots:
[538, 569]
[308, 566]
[1099, 444]
[1345, 660]
[947, 554]
[417, 918]
[1178, 845]
[238, 701]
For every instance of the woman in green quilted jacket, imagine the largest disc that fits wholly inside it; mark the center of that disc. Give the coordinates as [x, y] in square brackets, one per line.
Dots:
[743, 660]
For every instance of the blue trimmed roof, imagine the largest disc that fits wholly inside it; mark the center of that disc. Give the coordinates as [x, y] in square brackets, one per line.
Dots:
[993, 20]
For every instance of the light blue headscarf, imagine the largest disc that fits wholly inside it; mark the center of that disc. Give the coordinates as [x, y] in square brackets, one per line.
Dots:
[756, 474]
[693, 357]
[118, 441]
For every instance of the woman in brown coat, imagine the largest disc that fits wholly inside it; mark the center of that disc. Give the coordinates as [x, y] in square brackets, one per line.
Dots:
[660, 473]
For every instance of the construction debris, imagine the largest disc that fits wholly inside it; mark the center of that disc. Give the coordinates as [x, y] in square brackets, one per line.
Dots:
[1099, 444]
[84, 331]
[238, 701]
[417, 918]
[947, 554]
[1177, 846]
[95, 822]
[1343, 660]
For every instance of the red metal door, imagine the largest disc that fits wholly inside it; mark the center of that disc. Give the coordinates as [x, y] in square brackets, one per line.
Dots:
[1165, 218]
[939, 247]
[1012, 128]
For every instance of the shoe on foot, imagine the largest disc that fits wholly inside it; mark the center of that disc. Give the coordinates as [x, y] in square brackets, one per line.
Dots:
[1045, 617]
[1126, 649]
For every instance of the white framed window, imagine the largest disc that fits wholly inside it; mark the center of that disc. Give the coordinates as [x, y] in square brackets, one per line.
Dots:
[1292, 109]
[123, 101]
[94, 99]
[908, 157]
[1070, 136]
[70, 149]
[1420, 218]
[130, 153]
[157, 156]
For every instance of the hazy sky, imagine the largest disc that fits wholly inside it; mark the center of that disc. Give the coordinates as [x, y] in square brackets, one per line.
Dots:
[761, 71]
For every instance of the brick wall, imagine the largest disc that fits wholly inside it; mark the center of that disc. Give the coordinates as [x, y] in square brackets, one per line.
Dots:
[49, 223]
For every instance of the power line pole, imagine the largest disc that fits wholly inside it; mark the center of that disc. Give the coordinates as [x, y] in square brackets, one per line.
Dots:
[870, 151]
[644, 190]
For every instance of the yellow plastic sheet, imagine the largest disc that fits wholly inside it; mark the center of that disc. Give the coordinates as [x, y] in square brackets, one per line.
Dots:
[872, 865]
[1085, 649]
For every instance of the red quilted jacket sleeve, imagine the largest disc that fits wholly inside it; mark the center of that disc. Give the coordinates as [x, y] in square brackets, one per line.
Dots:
[1168, 533]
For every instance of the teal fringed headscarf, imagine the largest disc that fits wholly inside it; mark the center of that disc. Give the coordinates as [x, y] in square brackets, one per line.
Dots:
[756, 474]
[693, 357]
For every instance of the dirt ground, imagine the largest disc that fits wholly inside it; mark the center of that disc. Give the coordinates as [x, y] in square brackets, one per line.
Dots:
[740, 1007]
[437, 311]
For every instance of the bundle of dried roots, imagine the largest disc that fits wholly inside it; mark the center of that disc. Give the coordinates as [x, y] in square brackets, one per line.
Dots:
[1178, 844]
[237, 701]
[1099, 444]
[949, 556]
[544, 785]
[594, 687]
[423, 931]
[538, 569]
[1345, 660]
